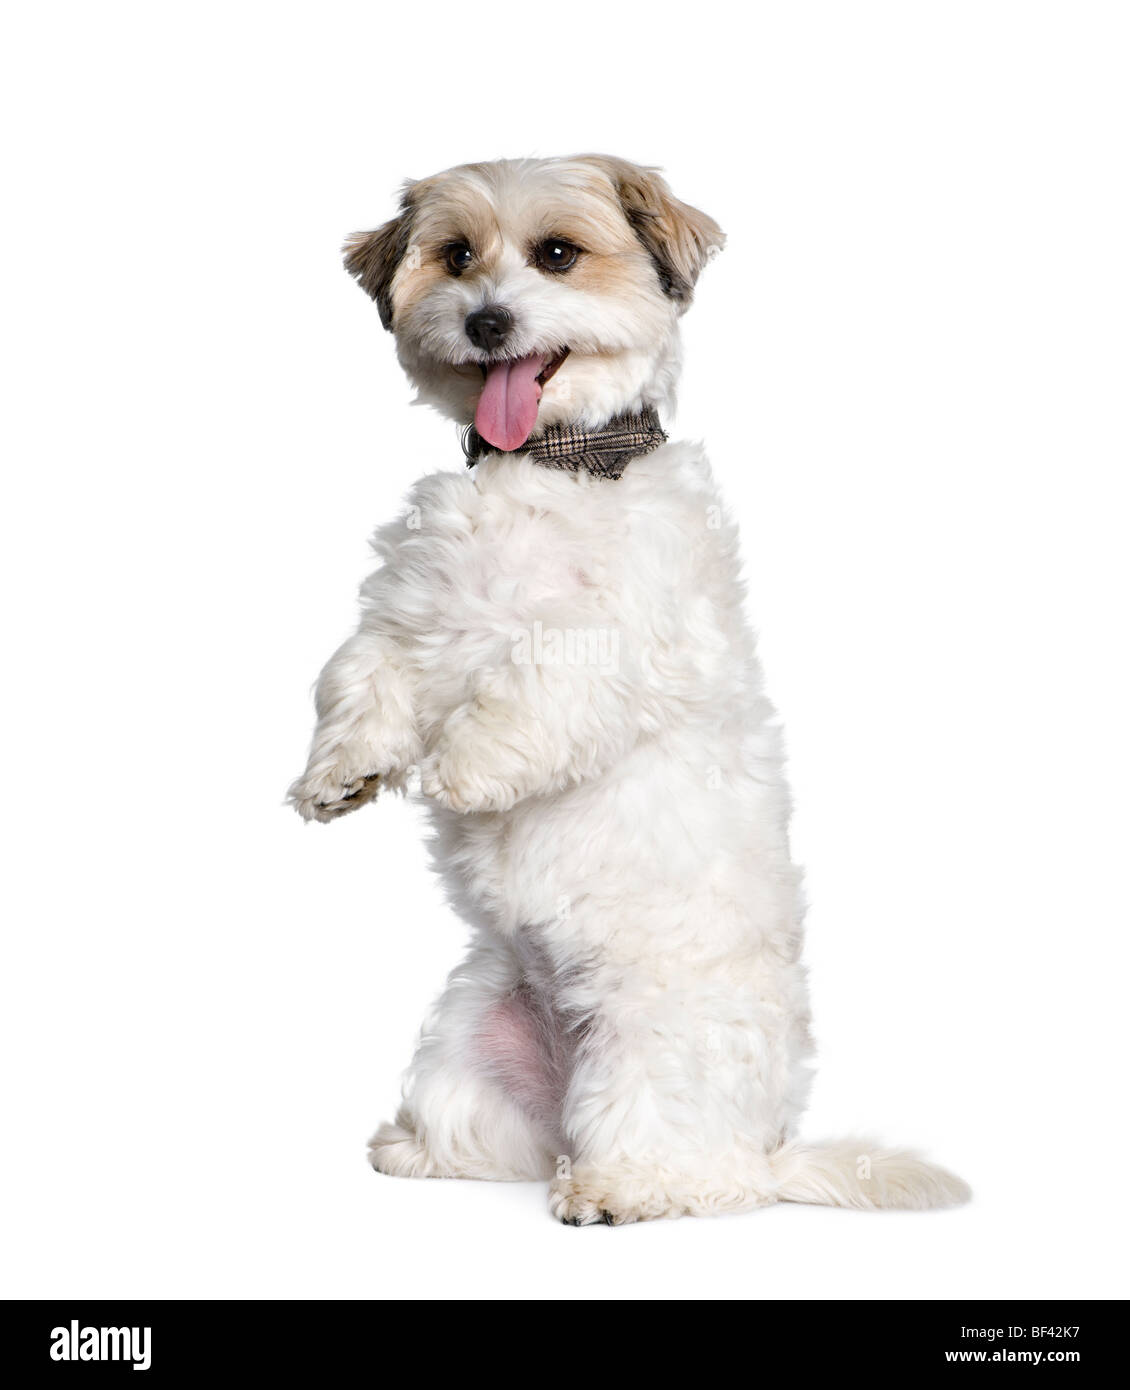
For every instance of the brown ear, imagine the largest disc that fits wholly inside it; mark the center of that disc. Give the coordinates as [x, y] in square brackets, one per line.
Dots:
[372, 258]
[679, 238]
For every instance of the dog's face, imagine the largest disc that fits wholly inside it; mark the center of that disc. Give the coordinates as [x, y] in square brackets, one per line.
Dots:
[530, 292]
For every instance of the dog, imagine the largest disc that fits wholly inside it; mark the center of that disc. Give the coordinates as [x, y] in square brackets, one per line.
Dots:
[554, 652]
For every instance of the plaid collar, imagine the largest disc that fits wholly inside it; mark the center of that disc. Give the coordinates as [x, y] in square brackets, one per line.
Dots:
[603, 452]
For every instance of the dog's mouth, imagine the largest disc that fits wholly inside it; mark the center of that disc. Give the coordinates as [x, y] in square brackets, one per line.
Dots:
[508, 405]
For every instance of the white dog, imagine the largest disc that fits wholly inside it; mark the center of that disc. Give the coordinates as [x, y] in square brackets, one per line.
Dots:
[555, 642]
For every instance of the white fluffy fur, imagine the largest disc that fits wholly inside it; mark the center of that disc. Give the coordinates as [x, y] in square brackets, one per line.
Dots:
[631, 1021]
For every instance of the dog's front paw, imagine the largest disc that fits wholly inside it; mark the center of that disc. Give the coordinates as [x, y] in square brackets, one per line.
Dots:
[471, 768]
[327, 791]
[448, 780]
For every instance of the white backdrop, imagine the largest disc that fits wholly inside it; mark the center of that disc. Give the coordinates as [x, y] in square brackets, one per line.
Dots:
[910, 367]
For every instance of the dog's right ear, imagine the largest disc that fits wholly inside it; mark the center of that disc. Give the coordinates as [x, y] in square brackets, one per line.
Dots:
[372, 258]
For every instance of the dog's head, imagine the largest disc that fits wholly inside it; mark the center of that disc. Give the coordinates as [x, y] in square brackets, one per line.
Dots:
[533, 292]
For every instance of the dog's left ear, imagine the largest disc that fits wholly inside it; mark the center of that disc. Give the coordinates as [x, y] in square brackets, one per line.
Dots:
[372, 258]
[679, 238]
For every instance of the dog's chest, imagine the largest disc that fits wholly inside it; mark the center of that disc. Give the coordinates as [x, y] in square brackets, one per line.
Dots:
[492, 569]
[508, 557]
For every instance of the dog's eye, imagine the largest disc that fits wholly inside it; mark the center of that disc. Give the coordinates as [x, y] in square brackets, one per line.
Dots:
[458, 257]
[555, 254]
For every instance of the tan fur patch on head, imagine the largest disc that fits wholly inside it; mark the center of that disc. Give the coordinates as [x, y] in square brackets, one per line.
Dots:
[609, 207]
[679, 238]
[398, 262]
[456, 206]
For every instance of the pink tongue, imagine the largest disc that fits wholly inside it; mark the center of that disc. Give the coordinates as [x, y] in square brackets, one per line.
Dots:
[508, 406]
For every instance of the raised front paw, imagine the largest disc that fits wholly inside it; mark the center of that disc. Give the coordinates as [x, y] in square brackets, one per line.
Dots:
[482, 761]
[456, 781]
[331, 789]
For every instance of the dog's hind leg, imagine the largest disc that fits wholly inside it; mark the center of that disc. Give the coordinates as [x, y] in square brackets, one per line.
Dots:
[683, 1084]
[482, 1097]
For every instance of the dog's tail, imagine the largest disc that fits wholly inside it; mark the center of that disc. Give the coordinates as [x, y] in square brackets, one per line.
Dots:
[855, 1173]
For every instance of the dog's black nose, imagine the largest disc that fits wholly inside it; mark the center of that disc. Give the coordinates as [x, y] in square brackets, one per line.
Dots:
[489, 328]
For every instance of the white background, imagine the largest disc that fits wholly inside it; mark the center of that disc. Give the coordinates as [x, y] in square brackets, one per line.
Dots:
[910, 367]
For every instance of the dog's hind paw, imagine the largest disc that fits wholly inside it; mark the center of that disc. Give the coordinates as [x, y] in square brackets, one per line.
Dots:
[395, 1150]
[573, 1205]
[581, 1212]
[583, 1200]
[621, 1193]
